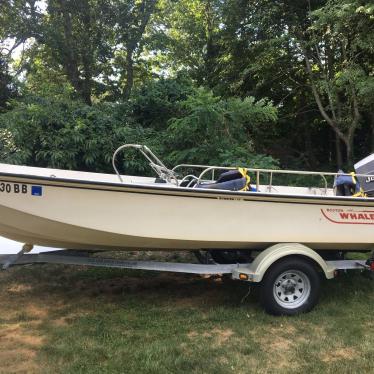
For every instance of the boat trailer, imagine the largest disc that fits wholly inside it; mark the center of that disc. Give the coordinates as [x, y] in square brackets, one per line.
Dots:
[288, 273]
[241, 271]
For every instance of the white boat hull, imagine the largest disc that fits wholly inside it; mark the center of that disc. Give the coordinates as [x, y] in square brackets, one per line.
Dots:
[66, 212]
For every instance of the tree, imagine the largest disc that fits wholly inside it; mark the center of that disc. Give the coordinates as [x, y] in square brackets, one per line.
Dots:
[19, 21]
[178, 69]
[76, 35]
[131, 22]
[186, 34]
[340, 78]
[264, 48]
[96, 41]
[6, 88]
[258, 57]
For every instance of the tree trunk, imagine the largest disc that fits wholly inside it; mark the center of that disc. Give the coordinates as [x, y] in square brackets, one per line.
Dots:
[350, 151]
[133, 42]
[72, 56]
[86, 90]
[70, 60]
[312, 161]
[88, 53]
[339, 158]
[209, 58]
[372, 130]
[330, 120]
[129, 74]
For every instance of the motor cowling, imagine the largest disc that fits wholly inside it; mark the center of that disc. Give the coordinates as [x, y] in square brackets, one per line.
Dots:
[366, 166]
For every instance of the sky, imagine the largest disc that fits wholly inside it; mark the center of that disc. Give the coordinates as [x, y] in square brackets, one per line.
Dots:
[8, 247]
[41, 6]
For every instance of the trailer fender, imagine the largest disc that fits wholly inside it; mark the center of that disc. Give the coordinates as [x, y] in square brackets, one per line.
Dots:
[257, 269]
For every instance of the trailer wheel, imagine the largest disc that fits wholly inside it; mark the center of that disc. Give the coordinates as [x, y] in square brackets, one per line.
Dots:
[291, 286]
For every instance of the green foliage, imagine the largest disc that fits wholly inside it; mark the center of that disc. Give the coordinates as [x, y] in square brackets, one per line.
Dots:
[62, 133]
[213, 130]
[185, 38]
[6, 88]
[50, 129]
[339, 47]
[145, 59]
[157, 101]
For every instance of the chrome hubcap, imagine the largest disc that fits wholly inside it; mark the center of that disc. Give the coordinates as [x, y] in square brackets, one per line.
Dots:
[291, 289]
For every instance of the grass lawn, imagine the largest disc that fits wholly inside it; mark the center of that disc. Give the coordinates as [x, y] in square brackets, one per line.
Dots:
[64, 319]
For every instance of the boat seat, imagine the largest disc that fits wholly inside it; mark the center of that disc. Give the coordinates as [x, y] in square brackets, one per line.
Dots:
[231, 180]
[230, 185]
[229, 176]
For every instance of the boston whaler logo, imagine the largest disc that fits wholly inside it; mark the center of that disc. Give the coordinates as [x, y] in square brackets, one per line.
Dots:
[349, 216]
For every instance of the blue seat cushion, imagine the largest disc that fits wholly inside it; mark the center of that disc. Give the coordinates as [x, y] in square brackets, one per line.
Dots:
[230, 185]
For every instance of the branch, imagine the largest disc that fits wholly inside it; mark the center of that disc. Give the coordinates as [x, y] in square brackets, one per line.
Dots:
[10, 50]
[356, 111]
[20, 65]
[318, 100]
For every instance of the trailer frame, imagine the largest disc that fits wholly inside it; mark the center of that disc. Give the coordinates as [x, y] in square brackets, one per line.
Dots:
[276, 269]
[253, 271]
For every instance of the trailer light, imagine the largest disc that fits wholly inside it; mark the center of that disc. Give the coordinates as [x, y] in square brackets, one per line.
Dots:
[243, 277]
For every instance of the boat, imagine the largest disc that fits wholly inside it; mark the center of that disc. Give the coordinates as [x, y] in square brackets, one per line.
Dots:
[217, 208]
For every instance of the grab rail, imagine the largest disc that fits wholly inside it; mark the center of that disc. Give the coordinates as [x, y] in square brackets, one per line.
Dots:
[323, 175]
[170, 175]
[154, 162]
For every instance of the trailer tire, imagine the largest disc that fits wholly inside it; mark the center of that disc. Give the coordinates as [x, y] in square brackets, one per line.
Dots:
[290, 286]
[230, 256]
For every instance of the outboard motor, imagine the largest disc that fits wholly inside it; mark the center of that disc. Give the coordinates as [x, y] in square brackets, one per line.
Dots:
[352, 185]
[366, 166]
